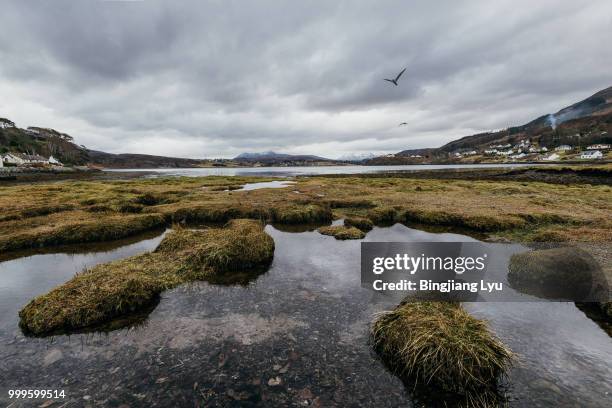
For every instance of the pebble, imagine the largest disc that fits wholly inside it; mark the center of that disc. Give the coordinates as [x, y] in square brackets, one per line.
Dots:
[272, 382]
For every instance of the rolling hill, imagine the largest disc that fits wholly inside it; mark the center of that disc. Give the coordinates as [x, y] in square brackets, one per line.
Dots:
[586, 122]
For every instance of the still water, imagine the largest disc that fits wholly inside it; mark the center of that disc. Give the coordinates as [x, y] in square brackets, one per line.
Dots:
[295, 335]
[311, 170]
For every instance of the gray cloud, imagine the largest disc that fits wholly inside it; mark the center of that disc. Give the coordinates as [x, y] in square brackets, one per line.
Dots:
[217, 78]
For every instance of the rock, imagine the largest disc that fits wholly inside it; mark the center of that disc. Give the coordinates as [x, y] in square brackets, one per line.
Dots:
[273, 382]
[52, 356]
[546, 385]
[305, 393]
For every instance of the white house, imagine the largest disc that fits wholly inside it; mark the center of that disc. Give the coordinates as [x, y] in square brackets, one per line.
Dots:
[552, 157]
[518, 156]
[505, 153]
[19, 159]
[543, 149]
[592, 154]
[490, 151]
[13, 158]
[563, 148]
[599, 146]
[54, 161]
[1, 161]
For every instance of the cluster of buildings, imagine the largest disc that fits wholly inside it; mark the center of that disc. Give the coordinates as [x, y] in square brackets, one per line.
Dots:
[27, 160]
[525, 148]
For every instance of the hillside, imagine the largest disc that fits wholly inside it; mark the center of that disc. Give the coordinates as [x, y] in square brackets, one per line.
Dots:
[45, 142]
[277, 158]
[586, 122]
[139, 161]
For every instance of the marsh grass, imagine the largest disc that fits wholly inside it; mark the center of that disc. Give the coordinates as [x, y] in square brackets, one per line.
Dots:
[44, 214]
[558, 273]
[475, 222]
[440, 344]
[342, 232]
[87, 229]
[114, 289]
[364, 224]
[384, 215]
[300, 214]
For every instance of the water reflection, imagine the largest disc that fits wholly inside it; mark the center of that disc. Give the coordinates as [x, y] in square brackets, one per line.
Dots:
[295, 335]
[266, 184]
[34, 274]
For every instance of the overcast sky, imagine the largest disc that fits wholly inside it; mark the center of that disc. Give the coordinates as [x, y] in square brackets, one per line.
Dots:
[190, 79]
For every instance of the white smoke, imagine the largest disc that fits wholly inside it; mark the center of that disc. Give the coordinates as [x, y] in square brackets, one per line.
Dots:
[552, 120]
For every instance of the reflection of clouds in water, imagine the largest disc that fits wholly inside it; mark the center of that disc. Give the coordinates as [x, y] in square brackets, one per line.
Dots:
[25, 278]
[310, 305]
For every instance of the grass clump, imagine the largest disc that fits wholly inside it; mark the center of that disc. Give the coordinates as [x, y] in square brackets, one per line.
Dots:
[105, 228]
[439, 344]
[482, 223]
[301, 214]
[342, 232]
[383, 215]
[213, 212]
[364, 224]
[350, 203]
[558, 273]
[117, 288]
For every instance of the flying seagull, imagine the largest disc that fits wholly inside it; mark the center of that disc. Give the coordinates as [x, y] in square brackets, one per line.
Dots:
[394, 81]
[403, 124]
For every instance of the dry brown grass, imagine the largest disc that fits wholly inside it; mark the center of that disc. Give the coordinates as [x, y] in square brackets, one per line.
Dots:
[342, 232]
[121, 287]
[51, 212]
[440, 344]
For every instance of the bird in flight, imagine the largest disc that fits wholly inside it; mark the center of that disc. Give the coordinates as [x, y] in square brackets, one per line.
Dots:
[394, 81]
[403, 124]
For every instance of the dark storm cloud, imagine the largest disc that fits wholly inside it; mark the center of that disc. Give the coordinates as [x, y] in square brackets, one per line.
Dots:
[216, 78]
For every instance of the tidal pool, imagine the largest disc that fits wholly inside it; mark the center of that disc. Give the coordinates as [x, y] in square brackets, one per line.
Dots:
[266, 184]
[296, 335]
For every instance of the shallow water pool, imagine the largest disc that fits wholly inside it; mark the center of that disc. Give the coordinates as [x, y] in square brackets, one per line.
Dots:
[295, 335]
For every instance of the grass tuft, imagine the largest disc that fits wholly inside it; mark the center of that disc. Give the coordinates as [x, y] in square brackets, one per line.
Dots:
[301, 214]
[383, 215]
[102, 228]
[117, 288]
[475, 222]
[342, 232]
[440, 344]
[364, 224]
[558, 273]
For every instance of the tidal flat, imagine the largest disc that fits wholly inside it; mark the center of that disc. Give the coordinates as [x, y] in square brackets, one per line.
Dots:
[297, 331]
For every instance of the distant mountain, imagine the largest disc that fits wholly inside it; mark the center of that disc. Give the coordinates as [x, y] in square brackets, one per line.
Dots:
[139, 161]
[273, 157]
[586, 122]
[356, 157]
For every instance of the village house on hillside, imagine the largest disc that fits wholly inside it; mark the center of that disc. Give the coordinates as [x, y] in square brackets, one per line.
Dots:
[592, 154]
[599, 146]
[20, 159]
[552, 157]
[563, 148]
